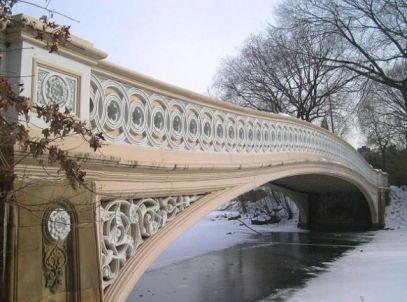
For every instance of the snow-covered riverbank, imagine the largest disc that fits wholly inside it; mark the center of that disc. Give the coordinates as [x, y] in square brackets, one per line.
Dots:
[374, 272]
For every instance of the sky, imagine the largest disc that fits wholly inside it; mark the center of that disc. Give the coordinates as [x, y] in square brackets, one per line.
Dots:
[181, 42]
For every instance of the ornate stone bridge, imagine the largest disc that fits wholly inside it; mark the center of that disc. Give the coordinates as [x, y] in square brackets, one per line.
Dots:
[171, 157]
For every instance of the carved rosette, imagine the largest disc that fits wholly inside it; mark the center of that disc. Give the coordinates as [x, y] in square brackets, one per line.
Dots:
[136, 116]
[127, 223]
[56, 90]
[57, 226]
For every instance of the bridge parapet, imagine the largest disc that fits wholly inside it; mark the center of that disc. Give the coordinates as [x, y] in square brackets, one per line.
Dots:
[134, 109]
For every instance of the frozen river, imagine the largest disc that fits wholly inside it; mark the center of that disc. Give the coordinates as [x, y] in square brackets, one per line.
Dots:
[268, 268]
[220, 260]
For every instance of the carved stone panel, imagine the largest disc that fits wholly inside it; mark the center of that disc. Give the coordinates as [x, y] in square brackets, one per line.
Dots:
[54, 266]
[57, 226]
[57, 87]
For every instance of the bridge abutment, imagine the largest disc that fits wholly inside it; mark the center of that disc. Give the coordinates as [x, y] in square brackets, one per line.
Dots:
[339, 211]
[53, 249]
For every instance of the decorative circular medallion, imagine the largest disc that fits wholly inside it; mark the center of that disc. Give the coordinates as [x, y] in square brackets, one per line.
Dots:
[56, 90]
[58, 224]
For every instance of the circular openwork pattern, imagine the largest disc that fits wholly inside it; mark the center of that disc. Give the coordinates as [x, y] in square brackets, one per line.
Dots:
[126, 223]
[58, 224]
[56, 90]
[131, 115]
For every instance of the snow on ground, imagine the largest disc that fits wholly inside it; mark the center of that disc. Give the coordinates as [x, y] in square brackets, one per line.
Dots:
[396, 212]
[373, 272]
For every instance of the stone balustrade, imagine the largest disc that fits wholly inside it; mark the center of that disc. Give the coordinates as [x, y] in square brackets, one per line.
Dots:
[131, 115]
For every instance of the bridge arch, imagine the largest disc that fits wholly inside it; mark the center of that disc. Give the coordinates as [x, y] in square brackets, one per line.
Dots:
[328, 203]
[154, 246]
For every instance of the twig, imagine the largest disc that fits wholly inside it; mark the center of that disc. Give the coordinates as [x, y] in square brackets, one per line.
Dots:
[50, 10]
[248, 227]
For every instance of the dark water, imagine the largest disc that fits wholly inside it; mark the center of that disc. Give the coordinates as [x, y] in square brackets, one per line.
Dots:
[269, 266]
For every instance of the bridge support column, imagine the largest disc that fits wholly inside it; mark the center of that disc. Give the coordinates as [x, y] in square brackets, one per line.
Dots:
[53, 248]
[303, 219]
[382, 201]
[302, 202]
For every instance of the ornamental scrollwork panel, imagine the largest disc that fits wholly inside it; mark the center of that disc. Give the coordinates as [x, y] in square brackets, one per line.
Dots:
[55, 87]
[135, 116]
[126, 224]
[54, 263]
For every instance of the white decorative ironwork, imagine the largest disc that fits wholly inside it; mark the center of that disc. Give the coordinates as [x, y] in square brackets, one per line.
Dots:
[58, 224]
[135, 116]
[56, 88]
[127, 223]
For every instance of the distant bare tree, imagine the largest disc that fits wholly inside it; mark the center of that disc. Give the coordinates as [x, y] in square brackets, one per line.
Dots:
[377, 122]
[285, 71]
[371, 33]
[383, 115]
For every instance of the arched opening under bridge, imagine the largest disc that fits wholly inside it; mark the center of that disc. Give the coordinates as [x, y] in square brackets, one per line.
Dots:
[328, 203]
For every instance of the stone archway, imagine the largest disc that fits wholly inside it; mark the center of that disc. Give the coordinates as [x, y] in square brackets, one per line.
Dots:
[154, 246]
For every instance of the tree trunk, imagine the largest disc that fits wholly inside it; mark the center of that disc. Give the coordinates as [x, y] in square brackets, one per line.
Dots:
[288, 208]
[404, 93]
[383, 152]
[6, 186]
[243, 205]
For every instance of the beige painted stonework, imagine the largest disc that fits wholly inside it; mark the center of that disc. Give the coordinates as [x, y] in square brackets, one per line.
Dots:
[112, 181]
[35, 198]
[146, 187]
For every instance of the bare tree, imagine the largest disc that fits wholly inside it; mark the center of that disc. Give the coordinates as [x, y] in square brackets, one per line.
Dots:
[285, 71]
[383, 115]
[377, 122]
[372, 34]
